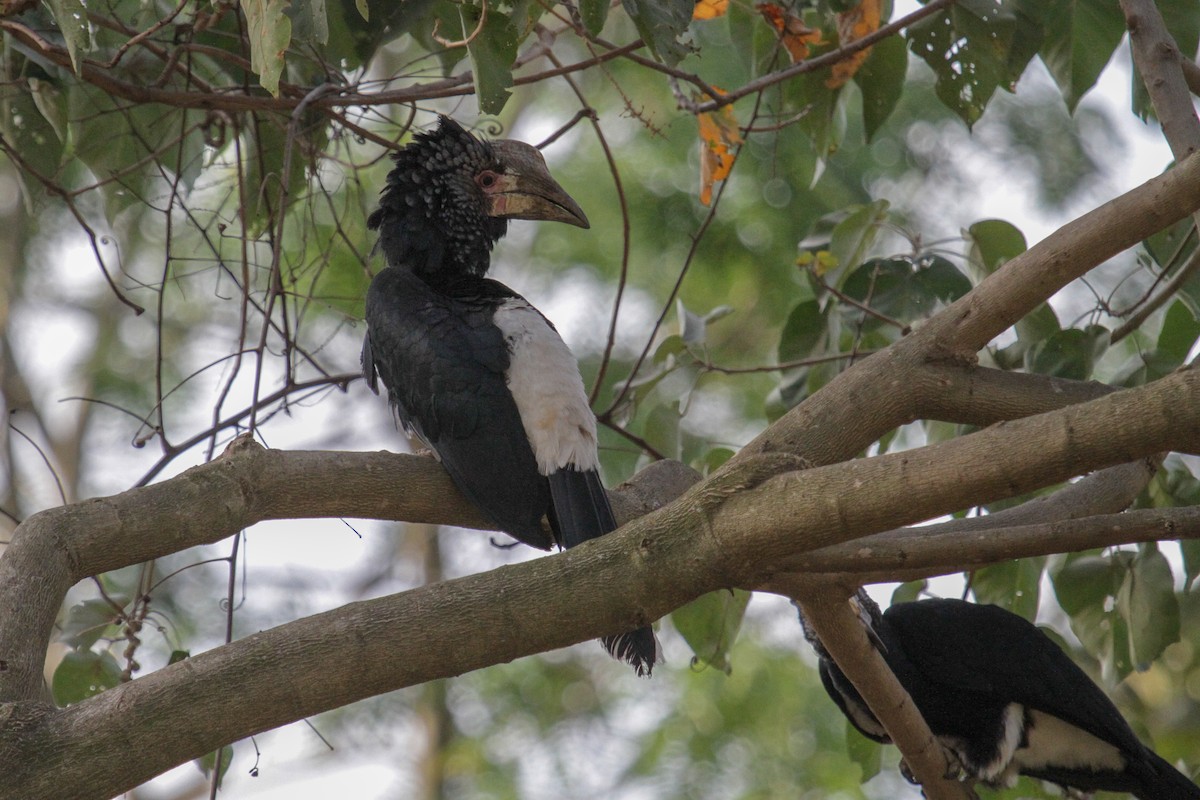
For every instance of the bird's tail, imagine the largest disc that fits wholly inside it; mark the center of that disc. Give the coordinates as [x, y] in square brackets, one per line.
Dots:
[580, 511]
[1166, 782]
[639, 648]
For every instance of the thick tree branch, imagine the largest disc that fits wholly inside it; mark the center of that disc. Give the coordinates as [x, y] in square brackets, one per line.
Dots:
[1095, 501]
[1159, 61]
[1163, 72]
[915, 553]
[973, 395]
[826, 608]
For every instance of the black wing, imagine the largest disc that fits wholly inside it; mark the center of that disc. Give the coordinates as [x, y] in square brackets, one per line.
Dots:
[443, 364]
[985, 649]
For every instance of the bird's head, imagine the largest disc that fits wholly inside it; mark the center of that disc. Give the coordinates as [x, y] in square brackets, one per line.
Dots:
[450, 196]
[867, 611]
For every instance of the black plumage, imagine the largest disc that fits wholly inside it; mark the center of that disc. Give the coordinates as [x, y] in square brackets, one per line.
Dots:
[1004, 699]
[469, 365]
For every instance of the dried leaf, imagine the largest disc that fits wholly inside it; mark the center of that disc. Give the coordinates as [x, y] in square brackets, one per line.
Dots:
[853, 25]
[794, 35]
[719, 134]
[710, 9]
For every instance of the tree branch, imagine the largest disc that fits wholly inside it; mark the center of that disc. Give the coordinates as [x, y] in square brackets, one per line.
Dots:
[1159, 61]
[826, 608]
[916, 553]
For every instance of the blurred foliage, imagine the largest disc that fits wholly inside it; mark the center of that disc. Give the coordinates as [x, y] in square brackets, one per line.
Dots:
[213, 175]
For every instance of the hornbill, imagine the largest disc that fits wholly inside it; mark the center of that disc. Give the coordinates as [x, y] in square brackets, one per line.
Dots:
[1003, 699]
[470, 366]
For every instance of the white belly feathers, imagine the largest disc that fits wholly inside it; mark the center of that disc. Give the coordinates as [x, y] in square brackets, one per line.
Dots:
[544, 380]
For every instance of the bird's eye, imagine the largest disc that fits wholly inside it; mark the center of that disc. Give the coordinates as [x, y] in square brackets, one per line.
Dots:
[486, 179]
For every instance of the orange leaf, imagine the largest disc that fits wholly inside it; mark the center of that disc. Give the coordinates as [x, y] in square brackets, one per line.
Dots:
[710, 9]
[853, 25]
[794, 35]
[719, 134]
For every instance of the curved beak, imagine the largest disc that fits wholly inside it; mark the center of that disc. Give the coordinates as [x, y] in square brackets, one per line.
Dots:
[526, 191]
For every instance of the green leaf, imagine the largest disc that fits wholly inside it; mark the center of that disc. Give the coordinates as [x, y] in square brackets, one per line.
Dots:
[993, 243]
[1080, 37]
[86, 622]
[973, 48]
[881, 79]
[492, 54]
[593, 13]
[1037, 325]
[1179, 333]
[853, 237]
[83, 673]
[117, 142]
[866, 753]
[710, 625]
[34, 137]
[1147, 602]
[1012, 585]
[712, 459]
[363, 9]
[310, 21]
[903, 290]
[661, 428]
[1119, 664]
[270, 33]
[1166, 246]
[52, 104]
[207, 762]
[1086, 584]
[809, 96]
[268, 141]
[1069, 354]
[1082, 581]
[910, 591]
[660, 23]
[804, 335]
[71, 16]
[691, 326]
[178, 655]
[1176, 338]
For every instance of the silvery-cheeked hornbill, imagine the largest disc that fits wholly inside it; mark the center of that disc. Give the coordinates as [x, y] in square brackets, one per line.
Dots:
[1003, 698]
[469, 365]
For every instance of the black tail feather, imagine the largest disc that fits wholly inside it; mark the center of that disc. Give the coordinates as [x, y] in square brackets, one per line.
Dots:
[1167, 782]
[579, 512]
[639, 648]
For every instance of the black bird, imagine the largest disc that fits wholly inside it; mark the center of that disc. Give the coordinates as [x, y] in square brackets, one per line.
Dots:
[1004, 699]
[469, 365]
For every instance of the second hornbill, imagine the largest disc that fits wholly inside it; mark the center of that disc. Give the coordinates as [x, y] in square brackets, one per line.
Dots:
[469, 365]
[1003, 698]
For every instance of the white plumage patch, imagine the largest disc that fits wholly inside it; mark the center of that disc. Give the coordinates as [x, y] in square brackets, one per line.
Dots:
[1002, 770]
[1053, 741]
[544, 380]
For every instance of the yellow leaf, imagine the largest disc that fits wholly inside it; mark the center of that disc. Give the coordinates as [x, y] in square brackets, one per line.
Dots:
[853, 25]
[710, 9]
[719, 135]
[794, 35]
